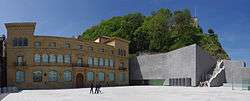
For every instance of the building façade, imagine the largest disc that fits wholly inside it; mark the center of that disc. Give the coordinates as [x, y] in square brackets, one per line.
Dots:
[57, 62]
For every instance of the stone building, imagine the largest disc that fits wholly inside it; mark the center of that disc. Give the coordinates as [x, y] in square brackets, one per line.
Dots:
[57, 62]
[2, 62]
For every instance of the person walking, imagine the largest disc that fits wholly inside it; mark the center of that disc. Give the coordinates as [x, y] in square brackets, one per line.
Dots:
[96, 89]
[99, 89]
[91, 88]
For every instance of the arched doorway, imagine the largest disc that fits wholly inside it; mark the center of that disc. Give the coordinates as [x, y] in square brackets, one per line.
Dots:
[79, 80]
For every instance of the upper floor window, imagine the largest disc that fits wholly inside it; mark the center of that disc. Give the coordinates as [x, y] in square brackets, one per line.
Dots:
[122, 65]
[79, 62]
[96, 61]
[101, 62]
[37, 44]
[37, 58]
[90, 48]
[19, 59]
[102, 49]
[106, 63]
[52, 44]
[111, 63]
[67, 45]
[112, 51]
[67, 58]
[79, 47]
[45, 58]
[20, 42]
[52, 58]
[60, 58]
[90, 61]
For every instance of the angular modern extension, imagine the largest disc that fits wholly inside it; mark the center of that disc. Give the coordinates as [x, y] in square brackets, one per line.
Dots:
[187, 66]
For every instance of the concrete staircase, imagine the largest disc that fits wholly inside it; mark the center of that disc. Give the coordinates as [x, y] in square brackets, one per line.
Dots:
[215, 79]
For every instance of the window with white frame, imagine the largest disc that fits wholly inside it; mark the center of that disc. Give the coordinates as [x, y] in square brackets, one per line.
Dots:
[67, 58]
[111, 63]
[90, 61]
[52, 58]
[60, 58]
[37, 58]
[45, 58]
[101, 62]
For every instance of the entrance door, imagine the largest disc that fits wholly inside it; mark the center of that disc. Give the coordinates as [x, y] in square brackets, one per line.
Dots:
[79, 80]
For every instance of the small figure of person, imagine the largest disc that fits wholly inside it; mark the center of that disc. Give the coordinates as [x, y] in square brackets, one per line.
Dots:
[99, 88]
[91, 88]
[96, 89]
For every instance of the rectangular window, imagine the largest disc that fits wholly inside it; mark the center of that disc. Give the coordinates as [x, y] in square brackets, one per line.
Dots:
[52, 58]
[67, 45]
[52, 44]
[60, 58]
[102, 49]
[45, 58]
[67, 59]
[37, 76]
[101, 62]
[96, 61]
[106, 62]
[90, 61]
[79, 62]
[37, 44]
[111, 62]
[79, 47]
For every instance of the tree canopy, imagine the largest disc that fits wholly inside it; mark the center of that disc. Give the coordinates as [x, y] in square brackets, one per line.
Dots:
[162, 31]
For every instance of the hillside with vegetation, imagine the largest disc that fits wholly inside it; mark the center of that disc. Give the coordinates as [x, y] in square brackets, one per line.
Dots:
[162, 31]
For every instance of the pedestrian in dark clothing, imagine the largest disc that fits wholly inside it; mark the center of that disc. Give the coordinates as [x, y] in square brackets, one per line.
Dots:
[91, 88]
[99, 89]
[96, 89]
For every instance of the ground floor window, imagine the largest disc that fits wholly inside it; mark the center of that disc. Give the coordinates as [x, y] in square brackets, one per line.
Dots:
[52, 76]
[122, 76]
[111, 76]
[37, 76]
[90, 76]
[19, 76]
[101, 76]
[67, 75]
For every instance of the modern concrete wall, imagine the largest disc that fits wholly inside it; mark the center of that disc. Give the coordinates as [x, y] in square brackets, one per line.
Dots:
[236, 71]
[187, 62]
[204, 64]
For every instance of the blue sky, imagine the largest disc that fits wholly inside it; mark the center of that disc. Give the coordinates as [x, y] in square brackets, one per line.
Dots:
[229, 18]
